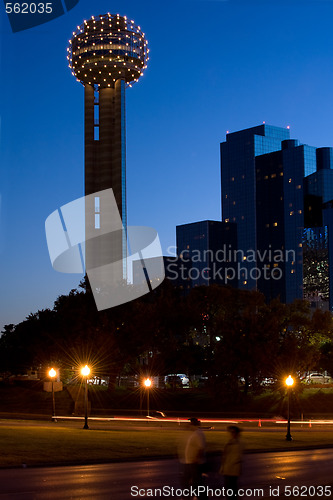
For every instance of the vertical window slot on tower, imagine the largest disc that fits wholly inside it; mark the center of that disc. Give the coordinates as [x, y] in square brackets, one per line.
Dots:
[97, 213]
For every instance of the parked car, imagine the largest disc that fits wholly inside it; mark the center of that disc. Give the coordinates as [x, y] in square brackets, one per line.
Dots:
[177, 379]
[184, 378]
[173, 381]
[317, 378]
[268, 381]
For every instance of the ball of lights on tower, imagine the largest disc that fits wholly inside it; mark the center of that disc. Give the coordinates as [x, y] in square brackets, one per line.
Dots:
[107, 48]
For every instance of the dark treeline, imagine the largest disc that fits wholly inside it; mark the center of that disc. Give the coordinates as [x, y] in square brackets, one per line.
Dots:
[221, 333]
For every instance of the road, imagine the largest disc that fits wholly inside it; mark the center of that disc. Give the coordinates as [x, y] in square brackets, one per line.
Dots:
[262, 471]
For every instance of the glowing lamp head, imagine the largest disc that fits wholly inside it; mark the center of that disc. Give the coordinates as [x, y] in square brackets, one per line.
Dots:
[85, 371]
[148, 382]
[289, 381]
[52, 373]
[107, 48]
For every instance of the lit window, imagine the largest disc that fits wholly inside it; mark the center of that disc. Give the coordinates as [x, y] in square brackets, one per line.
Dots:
[226, 220]
[289, 181]
[244, 282]
[291, 213]
[266, 177]
[276, 264]
[234, 203]
[298, 186]
[232, 178]
[273, 176]
[300, 211]
[275, 224]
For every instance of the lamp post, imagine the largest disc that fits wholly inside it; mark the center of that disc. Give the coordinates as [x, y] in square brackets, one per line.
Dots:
[289, 383]
[147, 383]
[52, 375]
[85, 372]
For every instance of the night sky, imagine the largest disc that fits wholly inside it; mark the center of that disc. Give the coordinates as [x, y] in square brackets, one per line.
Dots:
[214, 66]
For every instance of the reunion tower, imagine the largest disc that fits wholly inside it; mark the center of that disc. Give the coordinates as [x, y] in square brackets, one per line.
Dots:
[106, 53]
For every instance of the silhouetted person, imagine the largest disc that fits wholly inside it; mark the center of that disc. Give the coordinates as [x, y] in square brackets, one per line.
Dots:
[231, 466]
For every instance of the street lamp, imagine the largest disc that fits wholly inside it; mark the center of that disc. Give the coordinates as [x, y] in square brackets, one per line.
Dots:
[85, 370]
[147, 383]
[289, 383]
[52, 375]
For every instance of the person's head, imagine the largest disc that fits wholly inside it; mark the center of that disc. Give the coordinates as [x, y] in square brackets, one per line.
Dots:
[234, 430]
[194, 422]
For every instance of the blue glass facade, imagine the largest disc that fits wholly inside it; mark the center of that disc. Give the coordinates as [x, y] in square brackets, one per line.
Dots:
[318, 238]
[280, 220]
[238, 176]
[207, 246]
[273, 188]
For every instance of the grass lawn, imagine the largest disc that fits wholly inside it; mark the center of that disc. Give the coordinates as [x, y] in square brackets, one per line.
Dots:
[40, 443]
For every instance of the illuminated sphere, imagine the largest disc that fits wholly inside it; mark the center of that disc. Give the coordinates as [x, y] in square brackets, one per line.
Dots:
[107, 48]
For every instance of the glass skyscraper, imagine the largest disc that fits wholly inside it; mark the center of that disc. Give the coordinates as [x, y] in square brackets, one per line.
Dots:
[280, 195]
[238, 177]
[205, 246]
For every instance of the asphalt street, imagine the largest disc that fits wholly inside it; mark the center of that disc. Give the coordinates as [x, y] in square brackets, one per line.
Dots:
[265, 475]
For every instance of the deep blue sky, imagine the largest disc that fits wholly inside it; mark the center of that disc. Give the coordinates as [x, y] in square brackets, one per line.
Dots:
[214, 66]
